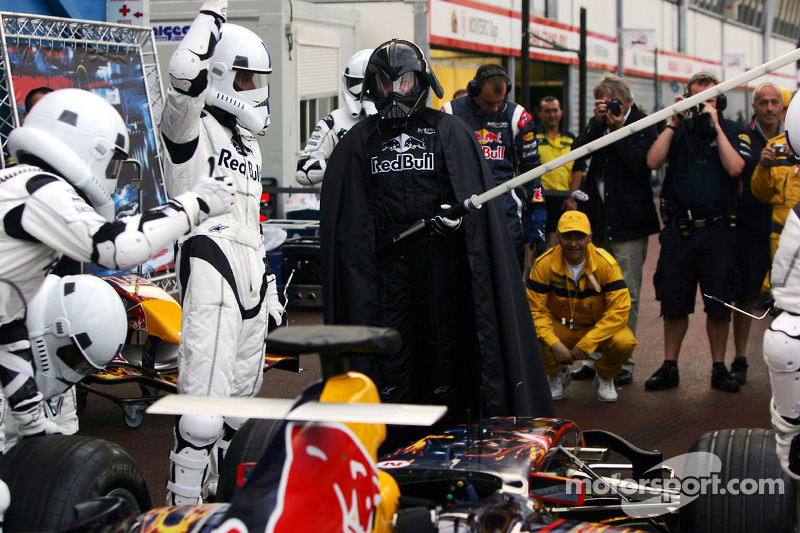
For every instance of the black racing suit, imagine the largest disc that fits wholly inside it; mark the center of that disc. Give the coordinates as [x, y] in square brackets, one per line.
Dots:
[424, 292]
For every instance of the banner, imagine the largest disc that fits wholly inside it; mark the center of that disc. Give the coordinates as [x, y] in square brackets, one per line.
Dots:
[118, 77]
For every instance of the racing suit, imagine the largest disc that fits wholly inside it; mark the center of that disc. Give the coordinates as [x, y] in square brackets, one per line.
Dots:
[591, 312]
[225, 282]
[417, 287]
[782, 346]
[778, 184]
[44, 217]
[508, 140]
[312, 163]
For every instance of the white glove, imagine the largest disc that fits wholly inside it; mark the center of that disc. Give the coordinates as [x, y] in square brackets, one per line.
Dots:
[785, 433]
[580, 195]
[218, 8]
[209, 198]
[274, 307]
[445, 225]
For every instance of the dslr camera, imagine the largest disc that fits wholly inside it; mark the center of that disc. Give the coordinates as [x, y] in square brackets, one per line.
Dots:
[614, 106]
[780, 150]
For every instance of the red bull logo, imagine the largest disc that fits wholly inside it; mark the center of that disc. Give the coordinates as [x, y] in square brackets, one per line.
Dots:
[497, 153]
[485, 136]
[346, 489]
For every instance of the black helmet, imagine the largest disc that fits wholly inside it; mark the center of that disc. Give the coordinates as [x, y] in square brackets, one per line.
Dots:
[398, 78]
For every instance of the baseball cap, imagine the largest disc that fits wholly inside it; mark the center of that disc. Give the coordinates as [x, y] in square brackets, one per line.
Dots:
[574, 221]
[787, 97]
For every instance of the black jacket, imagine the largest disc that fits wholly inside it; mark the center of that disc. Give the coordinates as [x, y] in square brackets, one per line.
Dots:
[627, 210]
[508, 344]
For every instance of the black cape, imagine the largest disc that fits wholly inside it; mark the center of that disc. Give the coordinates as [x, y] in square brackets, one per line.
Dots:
[508, 344]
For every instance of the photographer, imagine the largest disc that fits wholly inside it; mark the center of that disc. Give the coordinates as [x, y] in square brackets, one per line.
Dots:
[620, 205]
[706, 155]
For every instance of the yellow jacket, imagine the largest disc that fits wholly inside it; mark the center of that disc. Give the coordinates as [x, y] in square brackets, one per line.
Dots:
[779, 185]
[599, 303]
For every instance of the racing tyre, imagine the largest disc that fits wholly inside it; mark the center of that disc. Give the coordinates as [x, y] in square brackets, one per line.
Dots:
[749, 461]
[246, 447]
[49, 475]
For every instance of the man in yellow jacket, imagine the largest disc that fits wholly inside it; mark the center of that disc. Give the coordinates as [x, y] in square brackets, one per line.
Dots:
[580, 305]
[776, 180]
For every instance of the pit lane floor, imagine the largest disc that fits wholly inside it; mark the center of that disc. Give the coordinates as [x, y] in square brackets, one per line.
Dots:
[669, 421]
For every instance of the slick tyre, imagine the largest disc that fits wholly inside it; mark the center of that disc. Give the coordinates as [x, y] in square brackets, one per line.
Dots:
[246, 447]
[741, 501]
[47, 476]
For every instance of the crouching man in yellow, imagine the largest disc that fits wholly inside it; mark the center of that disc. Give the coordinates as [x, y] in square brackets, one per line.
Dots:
[580, 305]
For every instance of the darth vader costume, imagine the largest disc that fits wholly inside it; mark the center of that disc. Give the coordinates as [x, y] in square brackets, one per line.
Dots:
[457, 299]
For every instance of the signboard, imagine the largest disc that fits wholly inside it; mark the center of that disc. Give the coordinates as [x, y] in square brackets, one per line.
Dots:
[131, 12]
[639, 39]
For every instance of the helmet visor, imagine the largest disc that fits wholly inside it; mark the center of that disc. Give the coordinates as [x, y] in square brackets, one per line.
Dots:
[407, 83]
[252, 85]
[354, 85]
[115, 165]
[71, 355]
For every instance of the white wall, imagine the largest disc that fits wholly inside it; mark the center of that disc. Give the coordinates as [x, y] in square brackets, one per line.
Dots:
[383, 21]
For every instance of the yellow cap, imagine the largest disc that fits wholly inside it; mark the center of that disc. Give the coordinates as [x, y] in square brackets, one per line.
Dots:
[574, 221]
[787, 97]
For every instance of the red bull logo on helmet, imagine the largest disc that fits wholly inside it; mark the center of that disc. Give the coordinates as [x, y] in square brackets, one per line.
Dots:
[329, 482]
[485, 136]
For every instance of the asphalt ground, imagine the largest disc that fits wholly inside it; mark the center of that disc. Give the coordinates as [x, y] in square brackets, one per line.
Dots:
[669, 420]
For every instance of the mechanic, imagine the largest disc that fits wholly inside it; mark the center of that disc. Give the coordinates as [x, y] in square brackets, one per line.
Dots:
[57, 201]
[753, 226]
[781, 341]
[706, 154]
[580, 305]
[216, 103]
[312, 162]
[506, 133]
[455, 295]
[553, 142]
[781, 346]
[620, 203]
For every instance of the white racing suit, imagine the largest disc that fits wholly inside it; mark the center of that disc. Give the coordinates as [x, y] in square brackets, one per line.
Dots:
[314, 159]
[782, 346]
[225, 284]
[42, 217]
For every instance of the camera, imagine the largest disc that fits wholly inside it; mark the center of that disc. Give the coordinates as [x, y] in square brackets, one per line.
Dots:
[614, 106]
[780, 150]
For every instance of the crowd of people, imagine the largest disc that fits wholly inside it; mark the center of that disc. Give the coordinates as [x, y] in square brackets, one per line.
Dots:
[493, 302]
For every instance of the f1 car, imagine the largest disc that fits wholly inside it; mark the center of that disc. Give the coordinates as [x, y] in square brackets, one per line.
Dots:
[316, 468]
[150, 357]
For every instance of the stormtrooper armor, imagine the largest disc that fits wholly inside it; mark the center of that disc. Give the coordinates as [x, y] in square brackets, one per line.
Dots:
[782, 346]
[69, 148]
[320, 145]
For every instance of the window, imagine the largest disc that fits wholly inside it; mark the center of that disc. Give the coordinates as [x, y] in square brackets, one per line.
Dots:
[313, 110]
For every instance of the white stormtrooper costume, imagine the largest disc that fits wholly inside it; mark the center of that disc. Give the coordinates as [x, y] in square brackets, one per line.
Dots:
[782, 346]
[217, 101]
[76, 325]
[65, 208]
[782, 339]
[311, 165]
